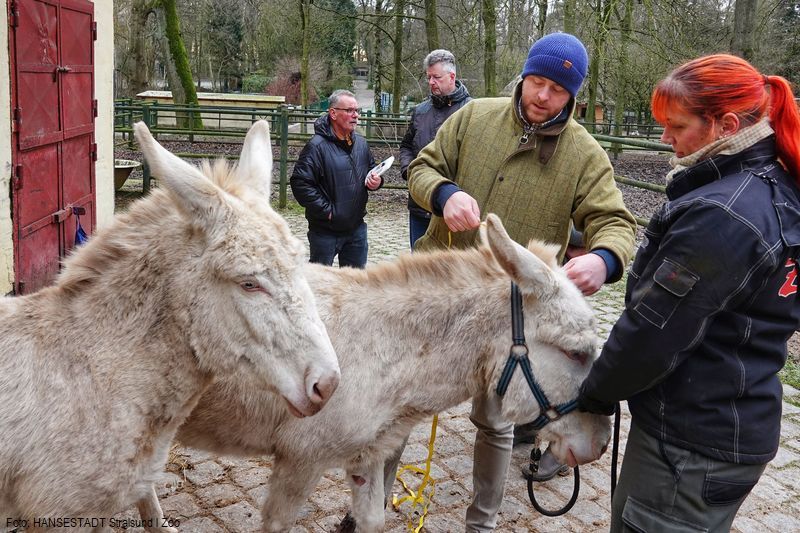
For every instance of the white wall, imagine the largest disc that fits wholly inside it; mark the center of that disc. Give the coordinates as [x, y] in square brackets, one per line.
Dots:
[104, 123]
[6, 232]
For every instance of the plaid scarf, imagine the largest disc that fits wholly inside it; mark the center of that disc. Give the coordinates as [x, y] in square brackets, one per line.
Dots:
[741, 140]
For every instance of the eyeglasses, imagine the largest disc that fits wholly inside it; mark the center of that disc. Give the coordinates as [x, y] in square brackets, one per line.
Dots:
[348, 110]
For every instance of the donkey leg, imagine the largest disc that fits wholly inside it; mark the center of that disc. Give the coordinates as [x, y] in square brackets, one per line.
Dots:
[289, 487]
[151, 513]
[368, 498]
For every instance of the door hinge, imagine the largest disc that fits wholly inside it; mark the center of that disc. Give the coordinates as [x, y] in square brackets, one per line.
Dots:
[13, 16]
[94, 108]
[93, 151]
[16, 122]
[94, 31]
[16, 180]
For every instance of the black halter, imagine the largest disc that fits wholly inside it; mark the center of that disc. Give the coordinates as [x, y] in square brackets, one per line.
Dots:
[519, 356]
[547, 412]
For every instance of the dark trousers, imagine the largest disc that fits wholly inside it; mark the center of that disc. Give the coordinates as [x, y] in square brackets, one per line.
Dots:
[663, 487]
[417, 226]
[351, 247]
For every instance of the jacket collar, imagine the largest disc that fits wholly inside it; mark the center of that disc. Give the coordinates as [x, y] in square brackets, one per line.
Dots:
[460, 93]
[552, 128]
[715, 168]
[323, 127]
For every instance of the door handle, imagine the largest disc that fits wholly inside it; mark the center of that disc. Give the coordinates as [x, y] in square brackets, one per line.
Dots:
[62, 214]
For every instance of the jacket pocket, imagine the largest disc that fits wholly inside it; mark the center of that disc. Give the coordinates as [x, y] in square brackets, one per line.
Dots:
[640, 518]
[671, 282]
[721, 492]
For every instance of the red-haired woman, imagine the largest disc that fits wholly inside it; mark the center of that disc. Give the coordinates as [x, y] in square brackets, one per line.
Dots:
[711, 301]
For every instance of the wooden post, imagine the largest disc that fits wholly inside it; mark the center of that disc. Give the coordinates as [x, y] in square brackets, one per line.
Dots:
[284, 156]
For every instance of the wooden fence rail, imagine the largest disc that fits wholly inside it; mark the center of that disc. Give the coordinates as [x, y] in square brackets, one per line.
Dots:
[295, 125]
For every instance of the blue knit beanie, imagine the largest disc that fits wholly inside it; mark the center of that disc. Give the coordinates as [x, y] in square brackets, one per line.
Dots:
[560, 57]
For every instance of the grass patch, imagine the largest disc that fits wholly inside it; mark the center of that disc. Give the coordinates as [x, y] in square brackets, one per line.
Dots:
[291, 206]
[790, 374]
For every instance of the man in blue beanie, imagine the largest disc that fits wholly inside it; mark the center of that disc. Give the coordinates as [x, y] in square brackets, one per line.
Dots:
[527, 160]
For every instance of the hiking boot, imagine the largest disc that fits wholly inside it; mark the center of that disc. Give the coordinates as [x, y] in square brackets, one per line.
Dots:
[347, 525]
[548, 468]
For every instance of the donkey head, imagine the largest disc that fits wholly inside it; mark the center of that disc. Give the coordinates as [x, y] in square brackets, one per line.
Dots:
[240, 283]
[562, 341]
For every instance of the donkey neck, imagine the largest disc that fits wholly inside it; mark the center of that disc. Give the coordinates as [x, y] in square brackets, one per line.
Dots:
[443, 321]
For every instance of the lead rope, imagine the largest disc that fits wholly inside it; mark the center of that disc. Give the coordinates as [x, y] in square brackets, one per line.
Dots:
[419, 497]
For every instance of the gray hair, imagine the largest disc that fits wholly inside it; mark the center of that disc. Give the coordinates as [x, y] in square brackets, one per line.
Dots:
[445, 57]
[337, 95]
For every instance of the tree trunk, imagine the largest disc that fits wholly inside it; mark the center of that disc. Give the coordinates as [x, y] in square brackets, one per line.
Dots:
[541, 20]
[397, 76]
[431, 25]
[376, 67]
[489, 17]
[744, 25]
[139, 75]
[602, 13]
[173, 81]
[621, 96]
[569, 17]
[305, 18]
[187, 93]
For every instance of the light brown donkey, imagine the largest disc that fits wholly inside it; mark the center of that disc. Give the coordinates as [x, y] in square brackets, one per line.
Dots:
[200, 280]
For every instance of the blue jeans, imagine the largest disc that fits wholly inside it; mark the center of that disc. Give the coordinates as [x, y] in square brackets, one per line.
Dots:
[350, 247]
[417, 226]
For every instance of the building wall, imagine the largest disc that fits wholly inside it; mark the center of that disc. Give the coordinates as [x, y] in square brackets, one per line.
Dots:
[104, 123]
[6, 242]
[104, 133]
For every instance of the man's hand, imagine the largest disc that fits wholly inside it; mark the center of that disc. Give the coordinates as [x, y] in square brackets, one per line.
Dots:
[588, 272]
[373, 181]
[461, 212]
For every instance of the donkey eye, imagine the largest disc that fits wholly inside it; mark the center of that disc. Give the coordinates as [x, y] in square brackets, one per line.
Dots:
[250, 285]
[578, 356]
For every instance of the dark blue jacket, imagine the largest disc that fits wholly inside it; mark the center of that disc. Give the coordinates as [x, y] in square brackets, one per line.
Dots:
[328, 179]
[711, 301]
[426, 119]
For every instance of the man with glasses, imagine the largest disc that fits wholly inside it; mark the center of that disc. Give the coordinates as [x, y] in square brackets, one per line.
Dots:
[331, 179]
[448, 95]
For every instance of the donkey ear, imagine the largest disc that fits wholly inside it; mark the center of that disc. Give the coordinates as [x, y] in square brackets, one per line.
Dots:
[525, 269]
[193, 191]
[255, 161]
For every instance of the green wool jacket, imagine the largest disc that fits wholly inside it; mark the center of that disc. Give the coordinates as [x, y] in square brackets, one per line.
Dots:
[560, 174]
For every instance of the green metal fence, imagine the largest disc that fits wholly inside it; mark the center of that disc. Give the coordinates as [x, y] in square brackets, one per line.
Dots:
[290, 125]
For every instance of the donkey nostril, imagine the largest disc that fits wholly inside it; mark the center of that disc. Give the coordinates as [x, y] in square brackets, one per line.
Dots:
[317, 393]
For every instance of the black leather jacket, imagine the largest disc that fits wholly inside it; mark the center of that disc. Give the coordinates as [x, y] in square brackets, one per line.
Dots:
[711, 301]
[426, 119]
[328, 179]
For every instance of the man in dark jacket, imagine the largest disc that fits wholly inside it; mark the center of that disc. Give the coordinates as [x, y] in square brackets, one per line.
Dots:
[447, 96]
[331, 179]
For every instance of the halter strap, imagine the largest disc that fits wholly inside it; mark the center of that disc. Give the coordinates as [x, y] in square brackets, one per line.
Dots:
[519, 356]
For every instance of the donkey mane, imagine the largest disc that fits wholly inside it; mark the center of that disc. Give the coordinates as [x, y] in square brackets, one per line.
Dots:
[222, 173]
[459, 267]
[130, 232]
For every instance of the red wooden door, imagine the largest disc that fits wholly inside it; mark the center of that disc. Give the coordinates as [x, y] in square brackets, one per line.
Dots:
[53, 148]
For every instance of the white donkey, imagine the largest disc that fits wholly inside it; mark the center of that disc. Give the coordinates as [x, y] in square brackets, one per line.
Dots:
[199, 280]
[443, 335]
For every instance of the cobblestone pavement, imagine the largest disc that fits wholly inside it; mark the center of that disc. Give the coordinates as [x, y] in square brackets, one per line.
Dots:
[217, 494]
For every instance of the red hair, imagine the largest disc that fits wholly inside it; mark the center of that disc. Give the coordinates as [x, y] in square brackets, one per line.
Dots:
[711, 86]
